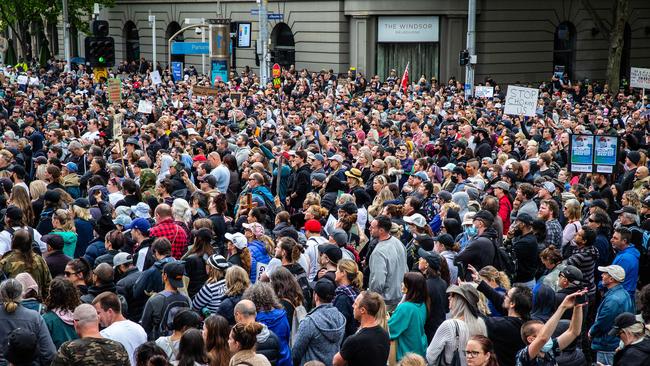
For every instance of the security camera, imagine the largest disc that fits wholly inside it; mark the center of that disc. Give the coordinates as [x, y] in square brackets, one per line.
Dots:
[198, 30]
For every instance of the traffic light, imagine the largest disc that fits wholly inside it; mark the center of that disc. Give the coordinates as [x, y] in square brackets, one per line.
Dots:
[464, 57]
[100, 28]
[100, 51]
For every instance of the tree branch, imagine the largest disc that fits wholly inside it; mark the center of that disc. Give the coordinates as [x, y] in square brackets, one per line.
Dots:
[598, 21]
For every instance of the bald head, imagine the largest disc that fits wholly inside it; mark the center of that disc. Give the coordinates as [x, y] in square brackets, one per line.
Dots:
[642, 172]
[245, 311]
[86, 316]
[104, 273]
[163, 211]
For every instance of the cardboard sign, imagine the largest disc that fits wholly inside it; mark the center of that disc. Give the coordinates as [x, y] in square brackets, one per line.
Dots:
[155, 78]
[22, 79]
[521, 101]
[640, 78]
[483, 91]
[204, 91]
[145, 106]
[115, 91]
[117, 126]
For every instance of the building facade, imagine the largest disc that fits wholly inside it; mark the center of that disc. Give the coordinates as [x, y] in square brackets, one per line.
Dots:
[515, 40]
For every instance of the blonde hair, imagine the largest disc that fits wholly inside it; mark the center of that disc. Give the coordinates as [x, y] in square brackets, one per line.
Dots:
[66, 223]
[37, 189]
[573, 210]
[237, 281]
[385, 194]
[311, 199]
[492, 274]
[412, 359]
[41, 172]
[317, 211]
[20, 198]
[82, 213]
[352, 273]
[202, 223]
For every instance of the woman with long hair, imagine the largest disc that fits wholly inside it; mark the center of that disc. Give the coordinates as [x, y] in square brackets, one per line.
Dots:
[382, 194]
[183, 321]
[191, 350]
[63, 223]
[289, 293]
[406, 325]
[78, 271]
[241, 343]
[454, 333]
[573, 214]
[63, 298]
[499, 281]
[14, 315]
[479, 351]
[83, 225]
[350, 282]
[37, 189]
[182, 213]
[238, 252]
[216, 331]
[195, 260]
[237, 281]
[20, 198]
[209, 297]
[432, 265]
[22, 258]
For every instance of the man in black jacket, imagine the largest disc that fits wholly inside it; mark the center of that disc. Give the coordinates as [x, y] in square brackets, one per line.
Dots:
[299, 180]
[480, 252]
[524, 245]
[128, 273]
[268, 344]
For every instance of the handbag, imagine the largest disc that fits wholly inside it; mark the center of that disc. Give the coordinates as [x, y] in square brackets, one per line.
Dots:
[455, 360]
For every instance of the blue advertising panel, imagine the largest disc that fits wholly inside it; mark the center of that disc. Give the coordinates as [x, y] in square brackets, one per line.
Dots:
[190, 48]
[177, 70]
[219, 71]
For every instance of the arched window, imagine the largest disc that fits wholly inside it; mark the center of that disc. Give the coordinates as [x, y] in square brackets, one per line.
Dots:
[564, 47]
[172, 28]
[131, 42]
[283, 46]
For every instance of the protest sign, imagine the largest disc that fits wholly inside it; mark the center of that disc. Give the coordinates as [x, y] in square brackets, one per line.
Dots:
[22, 79]
[605, 153]
[117, 126]
[155, 78]
[177, 70]
[115, 91]
[204, 91]
[581, 148]
[640, 78]
[521, 101]
[484, 91]
[145, 106]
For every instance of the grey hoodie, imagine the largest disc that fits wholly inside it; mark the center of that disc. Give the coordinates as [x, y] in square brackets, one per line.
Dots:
[268, 345]
[319, 336]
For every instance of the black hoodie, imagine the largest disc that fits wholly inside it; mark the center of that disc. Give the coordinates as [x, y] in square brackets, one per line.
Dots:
[480, 251]
[637, 354]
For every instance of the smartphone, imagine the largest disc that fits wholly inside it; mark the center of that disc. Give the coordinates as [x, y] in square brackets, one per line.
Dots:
[581, 299]
[249, 200]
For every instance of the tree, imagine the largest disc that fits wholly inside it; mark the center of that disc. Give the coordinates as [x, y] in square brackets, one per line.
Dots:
[19, 14]
[613, 36]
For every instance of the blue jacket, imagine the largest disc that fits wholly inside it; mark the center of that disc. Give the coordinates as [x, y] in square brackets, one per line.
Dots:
[94, 250]
[615, 301]
[276, 321]
[258, 255]
[628, 258]
[84, 229]
[151, 279]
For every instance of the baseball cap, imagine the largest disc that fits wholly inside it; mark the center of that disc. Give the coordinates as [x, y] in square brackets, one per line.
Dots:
[502, 185]
[416, 219]
[349, 207]
[199, 157]
[468, 219]
[337, 157]
[525, 218]
[325, 289]
[572, 274]
[485, 216]
[445, 239]
[140, 223]
[433, 259]
[218, 261]
[14, 213]
[599, 203]
[333, 252]
[449, 166]
[122, 258]
[425, 241]
[203, 234]
[52, 196]
[340, 237]
[621, 322]
[210, 179]
[175, 272]
[72, 167]
[615, 271]
[81, 202]
[626, 209]
[123, 220]
[238, 240]
[422, 175]
[548, 186]
[53, 240]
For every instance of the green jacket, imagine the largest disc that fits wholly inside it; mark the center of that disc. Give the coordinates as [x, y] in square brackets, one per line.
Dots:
[406, 326]
[69, 241]
[60, 331]
[13, 263]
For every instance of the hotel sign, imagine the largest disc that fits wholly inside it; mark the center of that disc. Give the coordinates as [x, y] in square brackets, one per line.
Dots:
[408, 29]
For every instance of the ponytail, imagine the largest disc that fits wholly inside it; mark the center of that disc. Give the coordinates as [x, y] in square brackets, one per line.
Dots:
[246, 259]
[11, 306]
[295, 253]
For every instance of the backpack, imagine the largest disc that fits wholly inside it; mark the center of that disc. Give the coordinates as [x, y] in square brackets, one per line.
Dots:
[35, 246]
[503, 261]
[172, 305]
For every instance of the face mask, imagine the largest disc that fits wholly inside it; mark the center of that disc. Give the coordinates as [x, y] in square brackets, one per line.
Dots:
[471, 231]
[454, 179]
[490, 175]
[548, 346]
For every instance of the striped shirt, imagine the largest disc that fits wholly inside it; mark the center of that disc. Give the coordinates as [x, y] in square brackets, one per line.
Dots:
[585, 260]
[210, 296]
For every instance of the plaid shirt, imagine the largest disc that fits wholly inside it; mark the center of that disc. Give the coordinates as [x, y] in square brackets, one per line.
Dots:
[167, 228]
[553, 233]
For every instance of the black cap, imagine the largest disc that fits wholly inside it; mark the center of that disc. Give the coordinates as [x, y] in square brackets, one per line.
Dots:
[460, 170]
[572, 274]
[14, 213]
[21, 347]
[445, 239]
[210, 179]
[626, 209]
[425, 241]
[289, 232]
[333, 252]
[599, 203]
[52, 196]
[433, 259]
[621, 322]
[81, 202]
[325, 289]
[203, 234]
[53, 240]
[175, 272]
[525, 218]
[349, 207]
[485, 216]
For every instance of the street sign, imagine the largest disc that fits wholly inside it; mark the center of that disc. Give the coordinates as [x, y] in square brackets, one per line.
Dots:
[190, 48]
[115, 91]
[177, 70]
[275, 16]
[275, 71]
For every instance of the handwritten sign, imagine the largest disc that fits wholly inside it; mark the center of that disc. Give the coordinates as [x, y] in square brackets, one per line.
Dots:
[521, 101]
[117, 126]
[115, 91]
[484, 91]
[155, 78]
[22, 79]
[640, 78]
[204, 91]
[145, 106]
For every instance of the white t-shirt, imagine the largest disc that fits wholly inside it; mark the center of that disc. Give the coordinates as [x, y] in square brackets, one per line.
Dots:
[130, 334]
[5, 240]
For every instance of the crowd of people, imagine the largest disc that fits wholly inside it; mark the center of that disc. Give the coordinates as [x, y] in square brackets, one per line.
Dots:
[335, 220]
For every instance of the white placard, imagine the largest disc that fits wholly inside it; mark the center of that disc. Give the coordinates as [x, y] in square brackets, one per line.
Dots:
[408, 29]
[145, 106]
[521, 101]
[155, 78]
[640, 78]
[22, 79]
[483, 91]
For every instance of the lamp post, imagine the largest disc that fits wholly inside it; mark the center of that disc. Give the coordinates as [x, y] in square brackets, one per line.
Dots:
[152, 23]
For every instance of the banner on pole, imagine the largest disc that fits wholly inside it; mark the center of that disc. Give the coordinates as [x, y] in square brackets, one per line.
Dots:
[640, 78]
[177, 70]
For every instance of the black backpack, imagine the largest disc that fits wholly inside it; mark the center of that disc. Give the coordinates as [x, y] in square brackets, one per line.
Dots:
[172, 305]
[503, 261]
[35, 246]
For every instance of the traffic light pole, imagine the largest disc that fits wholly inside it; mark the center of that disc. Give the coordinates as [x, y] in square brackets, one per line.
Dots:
[152, 23]
[471, 47]
[263, 48]
[66, 36]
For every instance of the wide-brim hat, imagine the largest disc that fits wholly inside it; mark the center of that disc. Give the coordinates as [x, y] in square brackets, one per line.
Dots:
[468, 293]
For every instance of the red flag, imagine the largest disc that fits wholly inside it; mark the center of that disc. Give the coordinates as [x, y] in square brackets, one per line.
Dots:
[405, 78]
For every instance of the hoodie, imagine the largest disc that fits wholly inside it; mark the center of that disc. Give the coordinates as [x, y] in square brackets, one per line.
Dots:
[634, 354]
[628, 258]
[69, 242]
[268, 345]
[319, 335]
[259, 256]
[277, 322]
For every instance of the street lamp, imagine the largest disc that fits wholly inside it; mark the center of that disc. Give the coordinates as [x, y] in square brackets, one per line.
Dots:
[152, 24]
